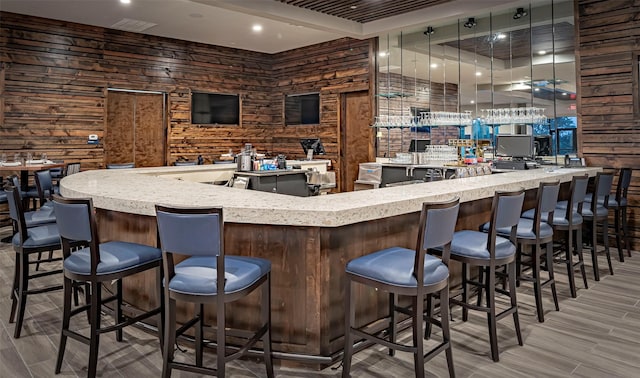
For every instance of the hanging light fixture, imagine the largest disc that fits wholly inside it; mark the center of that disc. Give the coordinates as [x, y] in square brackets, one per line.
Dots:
[430, 30]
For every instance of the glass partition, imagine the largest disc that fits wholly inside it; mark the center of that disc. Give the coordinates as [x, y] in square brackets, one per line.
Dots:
[462, 83]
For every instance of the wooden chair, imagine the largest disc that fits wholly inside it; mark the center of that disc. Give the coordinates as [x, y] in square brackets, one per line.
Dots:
[536, 232]
[86, 260]
[28, 241]
[208, 276]
[407, 272]
[489, 251]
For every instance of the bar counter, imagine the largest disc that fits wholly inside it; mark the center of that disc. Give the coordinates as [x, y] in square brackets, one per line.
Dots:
[307, 239]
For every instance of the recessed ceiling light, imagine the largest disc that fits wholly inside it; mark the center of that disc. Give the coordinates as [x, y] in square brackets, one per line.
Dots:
[501, 36]
[472, 102]
[542, 52]
[256, 28]
[434, 65]
[125, 1]
[382, 54]
[353, 7]
[478, 73]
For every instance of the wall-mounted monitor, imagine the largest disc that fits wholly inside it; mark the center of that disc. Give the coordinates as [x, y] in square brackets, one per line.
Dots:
[303, 109]
[517, 146]
[313, 144]
[214, 108]
[419, 145]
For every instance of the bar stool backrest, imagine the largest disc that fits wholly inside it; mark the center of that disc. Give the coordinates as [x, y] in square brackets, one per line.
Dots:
[14, 181]
[505, 213]
[547, 201]
[191, 232]
[44, 184]
[16, 211]
[77, 226]
[624, 181]
[577, 192]
[72, 168]
[603, 184]
[437, 222]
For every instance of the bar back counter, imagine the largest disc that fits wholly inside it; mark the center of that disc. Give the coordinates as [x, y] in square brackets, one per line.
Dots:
[307, 239]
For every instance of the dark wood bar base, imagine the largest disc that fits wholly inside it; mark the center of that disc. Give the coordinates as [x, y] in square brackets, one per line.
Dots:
[308, 265]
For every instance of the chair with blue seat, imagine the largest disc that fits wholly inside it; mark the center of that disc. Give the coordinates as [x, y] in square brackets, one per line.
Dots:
[44, 184]
[208, 276]
[618, 204]
[487, 251]
[86, 260]
[28, 241]
[407, 272]
[597, 212]
[43, 215]
[535, 232]
[568, 222]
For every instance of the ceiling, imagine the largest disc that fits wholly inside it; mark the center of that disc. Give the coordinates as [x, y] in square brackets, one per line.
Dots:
[286, 24]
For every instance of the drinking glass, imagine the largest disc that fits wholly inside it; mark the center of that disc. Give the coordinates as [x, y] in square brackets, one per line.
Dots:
[44, 157]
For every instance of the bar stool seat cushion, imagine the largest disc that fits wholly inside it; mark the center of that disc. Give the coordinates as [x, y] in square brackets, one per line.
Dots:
[394, 266]
[115, 256]
[612, 200]
[601, 211]
[197, 275]
[40, 236]
[558, 217]
[525, 229]
[468, 243]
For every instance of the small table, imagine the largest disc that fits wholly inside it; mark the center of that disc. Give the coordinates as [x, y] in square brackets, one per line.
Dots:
[26, 169]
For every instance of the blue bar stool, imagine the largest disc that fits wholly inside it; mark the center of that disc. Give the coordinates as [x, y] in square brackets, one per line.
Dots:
[88, 260]
[44, 185]
[619, 206]
[415, 273]
[569, 222]
[27, 241]
[208, 276]
[536, 232]
[488, 251]
[594, 212]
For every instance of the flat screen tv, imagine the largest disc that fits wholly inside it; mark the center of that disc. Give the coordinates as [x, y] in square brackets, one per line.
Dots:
[302, 109]
[516, 146]
[313, 144]
[214, 108]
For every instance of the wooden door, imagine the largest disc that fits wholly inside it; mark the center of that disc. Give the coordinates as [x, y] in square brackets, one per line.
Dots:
[150, 137]
[356, 137]
[135, 129]
[119, 134]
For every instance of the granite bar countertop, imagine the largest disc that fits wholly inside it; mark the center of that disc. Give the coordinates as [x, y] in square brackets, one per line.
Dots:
[137, 190]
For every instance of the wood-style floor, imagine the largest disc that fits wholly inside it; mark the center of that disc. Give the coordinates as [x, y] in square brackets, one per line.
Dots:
[594, 335]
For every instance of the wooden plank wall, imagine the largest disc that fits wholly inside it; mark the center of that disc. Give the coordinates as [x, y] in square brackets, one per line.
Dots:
[56, 75]
[608, 35]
